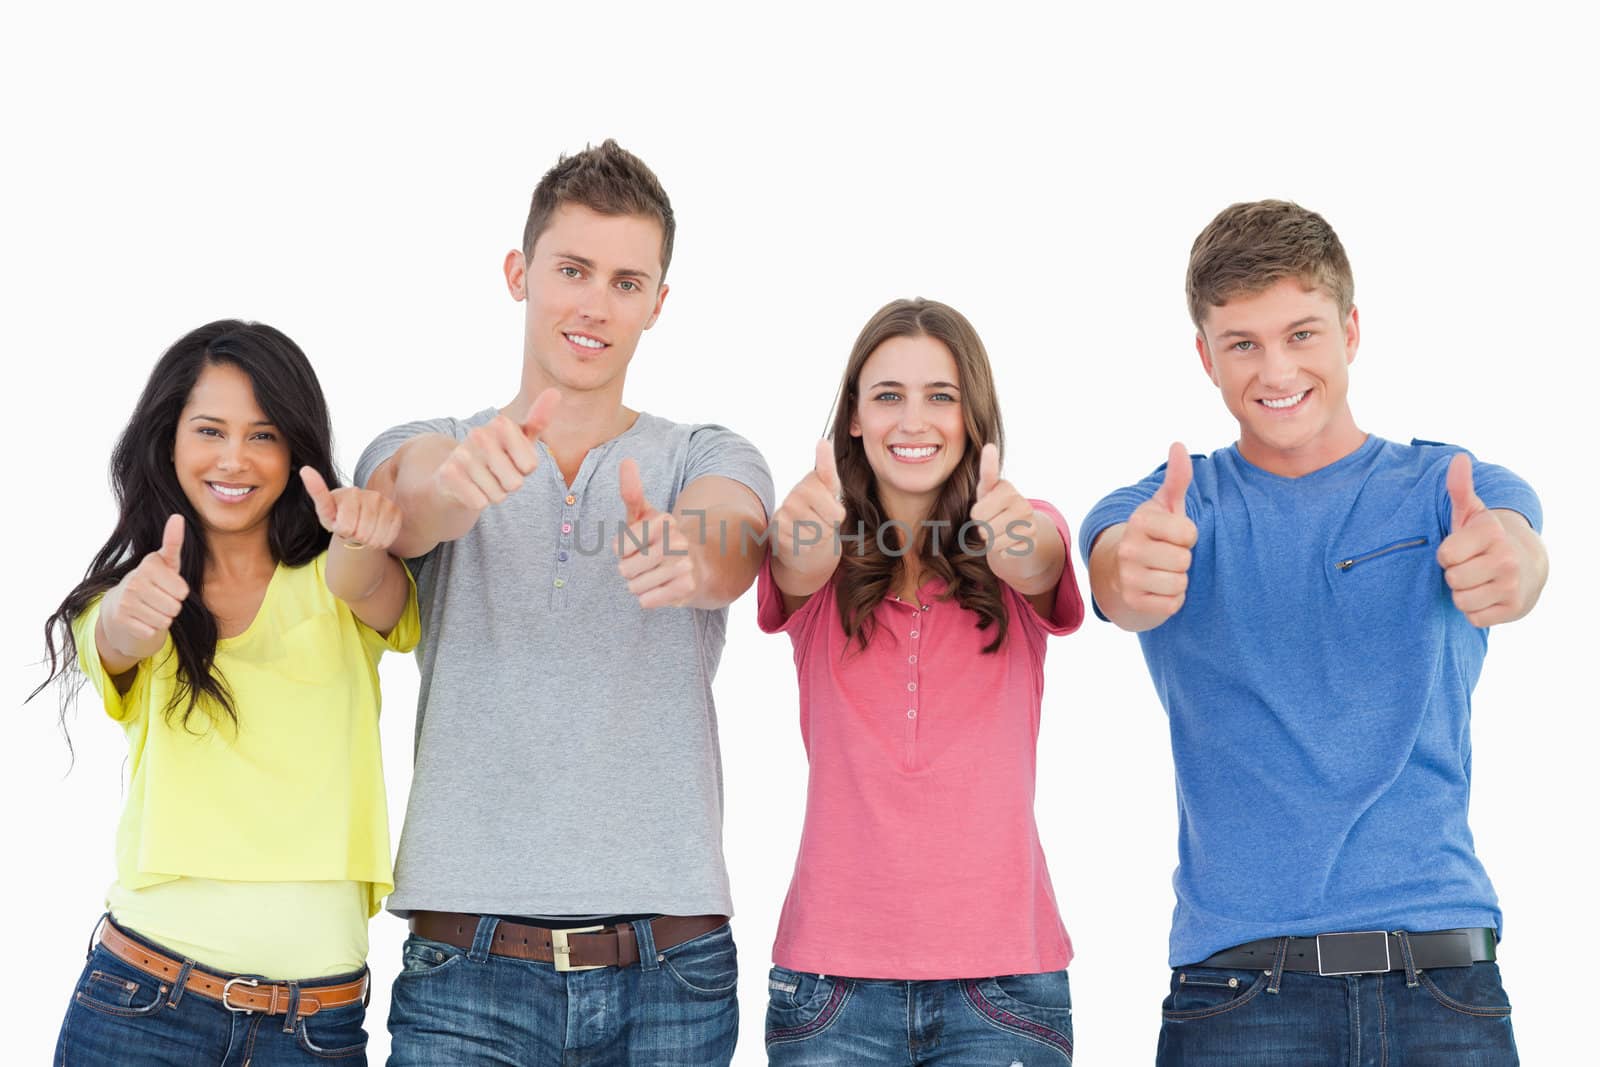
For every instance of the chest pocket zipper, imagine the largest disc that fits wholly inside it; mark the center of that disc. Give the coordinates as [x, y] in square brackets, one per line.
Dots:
[1398, 546]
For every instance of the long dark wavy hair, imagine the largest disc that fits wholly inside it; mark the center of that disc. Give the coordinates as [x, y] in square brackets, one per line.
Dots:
[146, 488]
[866, 573]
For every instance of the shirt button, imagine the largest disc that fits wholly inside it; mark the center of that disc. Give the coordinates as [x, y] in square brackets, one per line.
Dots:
[560, 582]
[911, 686]
[566, 527]
[911, 713]
[562, 557]
[913, 633]
[926, 608]
[571, 499]
[913, 659]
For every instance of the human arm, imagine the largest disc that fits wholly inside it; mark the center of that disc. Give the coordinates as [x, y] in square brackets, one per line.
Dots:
[805, 553]
[1139, 569]
[360, 571]
[698, 555]
[1025, 550]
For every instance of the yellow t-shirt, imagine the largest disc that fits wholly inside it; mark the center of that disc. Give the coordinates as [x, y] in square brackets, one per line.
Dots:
[295, 792]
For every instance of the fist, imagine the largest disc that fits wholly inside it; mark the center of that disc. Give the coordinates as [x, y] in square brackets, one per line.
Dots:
[1005, 514]
[494, 459]
[360, 518]
[136, 615]
[1153, 557]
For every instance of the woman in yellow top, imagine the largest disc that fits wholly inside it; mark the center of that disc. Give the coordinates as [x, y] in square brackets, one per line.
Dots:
[237, 642]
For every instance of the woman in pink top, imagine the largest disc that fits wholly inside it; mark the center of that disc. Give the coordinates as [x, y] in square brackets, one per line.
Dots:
[918, 588]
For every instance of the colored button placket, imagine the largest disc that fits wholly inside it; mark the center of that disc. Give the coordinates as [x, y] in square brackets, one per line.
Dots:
[912, 673]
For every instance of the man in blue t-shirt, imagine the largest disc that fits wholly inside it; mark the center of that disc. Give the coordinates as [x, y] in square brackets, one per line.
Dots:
[1313, 604]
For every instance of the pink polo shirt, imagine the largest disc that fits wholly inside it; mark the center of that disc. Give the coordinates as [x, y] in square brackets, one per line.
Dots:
[920, 858]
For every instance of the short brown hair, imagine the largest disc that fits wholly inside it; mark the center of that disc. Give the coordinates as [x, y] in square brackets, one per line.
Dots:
[1250, 247]
[608, 180]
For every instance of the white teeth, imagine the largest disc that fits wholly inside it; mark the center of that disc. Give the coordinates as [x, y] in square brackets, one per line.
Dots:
[585, 342]
[225, 491]
[1286, 402]
[920, 452]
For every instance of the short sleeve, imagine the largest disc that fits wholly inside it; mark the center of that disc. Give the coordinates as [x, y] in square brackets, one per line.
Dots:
[1498, 488]
[405, 633]
[1066, 613]
[716, 450]
[118, 705]
[387, 443]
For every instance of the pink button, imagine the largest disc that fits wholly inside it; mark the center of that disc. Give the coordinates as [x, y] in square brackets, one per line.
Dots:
[913, 633]
[913, 659]
[911, 713]
[566, 527]
[911, 686]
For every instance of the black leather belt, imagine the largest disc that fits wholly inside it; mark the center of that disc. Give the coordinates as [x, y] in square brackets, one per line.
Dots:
[1361, 952]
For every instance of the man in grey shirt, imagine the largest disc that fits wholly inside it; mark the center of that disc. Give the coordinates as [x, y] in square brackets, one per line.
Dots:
[561, 862]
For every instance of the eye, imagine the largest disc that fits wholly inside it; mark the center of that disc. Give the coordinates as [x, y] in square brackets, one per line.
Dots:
[208, 431]
[1242, 346]
[628, 286]
[1301, 335]
[570, 272]
[948, 397]
[266, 435]
[888, 396]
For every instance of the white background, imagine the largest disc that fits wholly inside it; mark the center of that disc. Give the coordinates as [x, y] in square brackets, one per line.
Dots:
[354, 176]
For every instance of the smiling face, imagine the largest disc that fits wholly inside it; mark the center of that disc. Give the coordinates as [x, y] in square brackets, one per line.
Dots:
[909, 419]
[1281, 358]
[231, 462]
[592, 286]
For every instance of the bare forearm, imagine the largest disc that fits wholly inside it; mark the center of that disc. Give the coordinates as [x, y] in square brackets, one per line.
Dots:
[726, 546]
[427, 516]
[1038, 569]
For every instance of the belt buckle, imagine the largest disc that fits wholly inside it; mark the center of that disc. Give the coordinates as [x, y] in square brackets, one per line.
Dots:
[561, 952]
[229, 984]
[1352, 953]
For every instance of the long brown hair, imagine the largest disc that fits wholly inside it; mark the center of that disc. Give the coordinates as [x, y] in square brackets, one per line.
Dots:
[866, 572]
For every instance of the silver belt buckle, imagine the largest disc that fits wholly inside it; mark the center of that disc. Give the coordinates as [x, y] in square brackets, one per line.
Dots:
[1353, 953]
[229, 984]
[561, 951]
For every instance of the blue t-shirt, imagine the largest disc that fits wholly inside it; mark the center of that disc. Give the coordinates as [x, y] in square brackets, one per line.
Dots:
[1318, 682]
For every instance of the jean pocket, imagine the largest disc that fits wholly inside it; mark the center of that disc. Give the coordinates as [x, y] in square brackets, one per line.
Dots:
[336, 1034]
[1036, 1006]
[1474, 991]
[113, 988]
[707, 965]
[420, 957]
[802, 1005]
[1201, 994]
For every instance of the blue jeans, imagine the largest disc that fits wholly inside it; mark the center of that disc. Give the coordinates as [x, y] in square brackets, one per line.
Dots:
[816, 1021]
[121, 1015]
[1445, 1017]
[467, 1008]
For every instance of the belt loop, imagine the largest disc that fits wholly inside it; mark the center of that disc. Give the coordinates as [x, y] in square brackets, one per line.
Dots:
[483, 939]
[1410, 961]
[1278, 959]
[94, 934]
[180, 983]
[292, 1016]
[644, 933]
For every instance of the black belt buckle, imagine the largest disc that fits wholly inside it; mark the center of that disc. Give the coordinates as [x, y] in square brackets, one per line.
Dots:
[1360, 952]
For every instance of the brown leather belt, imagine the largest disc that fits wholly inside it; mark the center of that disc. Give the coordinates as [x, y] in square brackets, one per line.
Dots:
[570, 950]
[246, 995]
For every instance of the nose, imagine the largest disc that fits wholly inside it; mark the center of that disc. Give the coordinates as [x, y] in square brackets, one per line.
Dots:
[231, 457]
[594, 303]
[1278, 368]
[913, 417]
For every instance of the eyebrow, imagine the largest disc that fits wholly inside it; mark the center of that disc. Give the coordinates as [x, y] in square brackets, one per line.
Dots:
[588, 264]
[224, 422]
[901, 385]
[1295, 325]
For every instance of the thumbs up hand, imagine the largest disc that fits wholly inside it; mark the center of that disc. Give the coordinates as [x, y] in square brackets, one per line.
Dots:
[1482, 564]
[653, 550]
[357, 518]
[1008, 524]
[137, 613]
[1153, 557]
[805, 548]
[495, 458]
